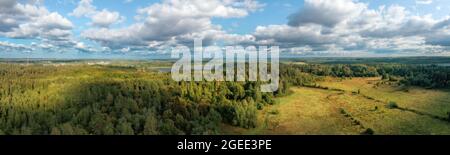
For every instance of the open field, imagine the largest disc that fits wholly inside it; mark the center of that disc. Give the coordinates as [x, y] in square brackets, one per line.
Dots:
[321, 111]
[429, 100]
[313, 114]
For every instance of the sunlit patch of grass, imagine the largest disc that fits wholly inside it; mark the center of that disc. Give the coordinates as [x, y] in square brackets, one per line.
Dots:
[429, 100]
[319, 111]
[384, 120]
[306, 111]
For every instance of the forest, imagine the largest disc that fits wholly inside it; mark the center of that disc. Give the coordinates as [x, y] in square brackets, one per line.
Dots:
[429, 76]
[82, 99]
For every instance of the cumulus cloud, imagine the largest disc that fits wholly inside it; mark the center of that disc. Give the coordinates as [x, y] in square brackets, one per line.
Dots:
[103, 18]
[173, 22]
[11, 47]
[200, 8]
[50, 31]
[32, 21]
[84, 8]
[320, 27]
[396, 21]
[349, 27]
[106, 18]
[424, 1]
[116, 38]
[326, 12]
[13, 14]
[302, 35]
[51, 25]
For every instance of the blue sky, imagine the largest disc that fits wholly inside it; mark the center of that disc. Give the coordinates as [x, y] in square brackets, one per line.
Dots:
[149, 28]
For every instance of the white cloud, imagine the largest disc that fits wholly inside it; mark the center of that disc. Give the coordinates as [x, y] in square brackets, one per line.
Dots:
[326, 12]
[173, 22]
[51, 30]
[117, 37]
[80, 45]
[13, 14]
[201, 8]
[424, 1]
[48, 25]
[11, 47]
[106, 18]
[320, 27]
[84, 8]
[31, 20]
[326, 25]
[103, 18]
[288, 36]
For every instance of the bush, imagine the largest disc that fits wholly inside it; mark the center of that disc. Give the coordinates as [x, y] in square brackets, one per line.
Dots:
[392, 105]
[274, 112]
[259, 106]
[368, 131]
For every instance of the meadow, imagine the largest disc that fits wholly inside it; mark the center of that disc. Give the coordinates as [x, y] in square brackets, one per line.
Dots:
[318, 111]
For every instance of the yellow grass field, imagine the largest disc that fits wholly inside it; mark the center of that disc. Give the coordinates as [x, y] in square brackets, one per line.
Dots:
[314, 111]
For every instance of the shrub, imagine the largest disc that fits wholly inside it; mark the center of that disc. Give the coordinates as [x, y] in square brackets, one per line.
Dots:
[368, 131]
[392, 105]
[274, 112]
[259, 106]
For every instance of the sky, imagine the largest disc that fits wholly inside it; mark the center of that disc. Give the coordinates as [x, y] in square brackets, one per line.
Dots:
[148, 29]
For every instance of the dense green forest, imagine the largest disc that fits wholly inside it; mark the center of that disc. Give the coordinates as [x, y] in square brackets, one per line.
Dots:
[120, 100]
[429, 76]
[107, 99]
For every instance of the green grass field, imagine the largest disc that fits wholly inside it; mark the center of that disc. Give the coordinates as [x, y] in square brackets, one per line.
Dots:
[315, 111]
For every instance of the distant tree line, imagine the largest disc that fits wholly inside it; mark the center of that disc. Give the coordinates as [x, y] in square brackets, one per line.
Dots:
[429, 76]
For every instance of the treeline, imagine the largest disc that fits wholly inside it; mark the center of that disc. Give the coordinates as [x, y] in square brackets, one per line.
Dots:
[429, 76]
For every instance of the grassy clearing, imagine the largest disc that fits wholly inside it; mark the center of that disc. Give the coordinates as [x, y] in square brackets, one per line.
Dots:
[383, 120]
[306, 111]
[428, 100]
[318, 111]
